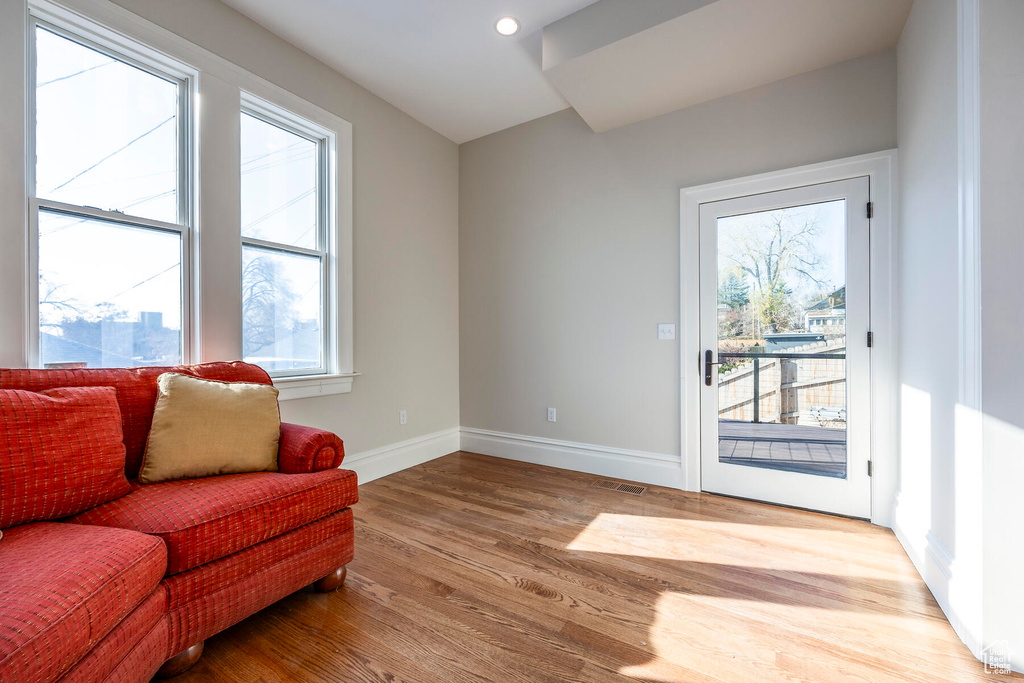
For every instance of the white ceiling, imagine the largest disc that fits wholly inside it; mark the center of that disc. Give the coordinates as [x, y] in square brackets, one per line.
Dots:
[440, 61]
[614, 61]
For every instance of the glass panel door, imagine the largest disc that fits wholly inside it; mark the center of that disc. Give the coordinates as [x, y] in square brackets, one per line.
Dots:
[777, 419]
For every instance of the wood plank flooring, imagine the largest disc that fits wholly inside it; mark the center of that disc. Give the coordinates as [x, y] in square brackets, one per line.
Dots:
[471, 568]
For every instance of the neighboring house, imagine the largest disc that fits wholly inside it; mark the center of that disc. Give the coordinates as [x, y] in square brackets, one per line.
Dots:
[827, 315]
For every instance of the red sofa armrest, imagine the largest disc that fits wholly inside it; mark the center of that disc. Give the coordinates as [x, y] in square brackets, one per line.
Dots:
[306, 449]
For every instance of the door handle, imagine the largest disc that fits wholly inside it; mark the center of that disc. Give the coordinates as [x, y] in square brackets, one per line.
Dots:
[708, 364]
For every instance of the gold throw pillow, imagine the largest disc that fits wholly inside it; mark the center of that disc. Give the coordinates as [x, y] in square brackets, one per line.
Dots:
[204, 427]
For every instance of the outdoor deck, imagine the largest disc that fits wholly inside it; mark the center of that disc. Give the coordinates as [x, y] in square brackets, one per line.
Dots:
[792, 448]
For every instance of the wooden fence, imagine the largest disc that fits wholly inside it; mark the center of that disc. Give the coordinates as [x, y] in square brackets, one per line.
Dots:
[788, 388]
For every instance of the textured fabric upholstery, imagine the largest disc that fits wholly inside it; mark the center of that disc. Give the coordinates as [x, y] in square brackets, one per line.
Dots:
[136, 392]
[202, 520]
[60, 452]
[143, 661]
[305, 449]
[135, 630]
[63, 587]
[207, 600]
[202, 428]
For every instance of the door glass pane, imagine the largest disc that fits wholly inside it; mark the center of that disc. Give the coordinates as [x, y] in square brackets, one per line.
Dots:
[109, 294]
[106, 132]
[279, 185]
[782, 389]
[281, 294]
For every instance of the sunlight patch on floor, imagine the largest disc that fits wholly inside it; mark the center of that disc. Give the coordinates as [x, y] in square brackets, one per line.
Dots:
[743, 639]
[736, 544]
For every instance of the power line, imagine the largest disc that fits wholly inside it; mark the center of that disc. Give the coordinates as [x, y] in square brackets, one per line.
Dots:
[77, 73]
[114, 153]
[267, 154]
[139, 284]
[279, 209]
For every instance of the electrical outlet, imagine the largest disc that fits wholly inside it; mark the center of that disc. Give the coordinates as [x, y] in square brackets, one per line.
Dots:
[402, 417]
[551, 415]
[666, 330]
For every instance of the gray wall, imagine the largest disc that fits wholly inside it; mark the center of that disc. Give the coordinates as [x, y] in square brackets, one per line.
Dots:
[405, 236]
[569, 247]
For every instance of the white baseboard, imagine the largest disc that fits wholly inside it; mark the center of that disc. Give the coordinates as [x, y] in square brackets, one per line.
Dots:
[936, 565]
[380, 462]
[618, 463]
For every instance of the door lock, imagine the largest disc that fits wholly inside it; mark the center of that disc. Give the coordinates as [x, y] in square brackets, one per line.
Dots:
[708, 364]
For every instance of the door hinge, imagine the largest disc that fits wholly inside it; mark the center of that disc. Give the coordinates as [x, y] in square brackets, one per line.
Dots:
[871, 339]
[869, 468]
[871, 209]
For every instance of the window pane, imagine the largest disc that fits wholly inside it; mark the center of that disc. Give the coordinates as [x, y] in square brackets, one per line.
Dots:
[782, 386]
[106, 132]
[279, 185]
[109, 295]
[281, 309]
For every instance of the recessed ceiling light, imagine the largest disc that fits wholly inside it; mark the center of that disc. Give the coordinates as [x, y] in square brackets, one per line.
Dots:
[507, 26]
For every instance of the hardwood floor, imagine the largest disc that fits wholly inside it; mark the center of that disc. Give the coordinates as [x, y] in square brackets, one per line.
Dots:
[471, 568]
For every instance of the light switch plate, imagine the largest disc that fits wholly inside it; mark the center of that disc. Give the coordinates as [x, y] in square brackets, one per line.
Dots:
[666, 330]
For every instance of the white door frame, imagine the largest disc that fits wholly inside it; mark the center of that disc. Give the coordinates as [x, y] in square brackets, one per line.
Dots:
[880, 167]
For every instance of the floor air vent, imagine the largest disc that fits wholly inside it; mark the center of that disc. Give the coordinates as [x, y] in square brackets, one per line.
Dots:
[631, 489]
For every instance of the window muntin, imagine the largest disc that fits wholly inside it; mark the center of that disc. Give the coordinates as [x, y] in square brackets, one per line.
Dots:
[284, 245]
[109, 219]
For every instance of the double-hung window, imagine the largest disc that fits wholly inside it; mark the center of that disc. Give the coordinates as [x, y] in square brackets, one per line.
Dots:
[110, 204]
[125, 266]
[285, 217]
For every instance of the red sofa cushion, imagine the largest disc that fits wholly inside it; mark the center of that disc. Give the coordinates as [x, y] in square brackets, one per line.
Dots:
[202, 520]
[63, 587]
[136, 392]
[60, 452]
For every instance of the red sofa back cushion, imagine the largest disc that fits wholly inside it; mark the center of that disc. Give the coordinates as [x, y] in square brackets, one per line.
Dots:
[60, 452]
[136, 392]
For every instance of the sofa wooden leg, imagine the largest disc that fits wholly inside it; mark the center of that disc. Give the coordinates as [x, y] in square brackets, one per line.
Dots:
[181, 662]
[332, 581]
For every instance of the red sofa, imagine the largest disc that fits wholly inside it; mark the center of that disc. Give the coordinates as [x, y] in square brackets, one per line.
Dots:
[136, 584]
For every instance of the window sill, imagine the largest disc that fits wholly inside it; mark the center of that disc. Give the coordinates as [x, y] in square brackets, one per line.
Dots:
[313, 385]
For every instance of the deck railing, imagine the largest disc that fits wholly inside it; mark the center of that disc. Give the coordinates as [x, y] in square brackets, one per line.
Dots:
[758, 358]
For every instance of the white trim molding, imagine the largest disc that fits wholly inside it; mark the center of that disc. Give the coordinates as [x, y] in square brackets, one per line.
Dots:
[968, 187]
[290, 388]
[380, 462]
[880, 168]
[649, 468]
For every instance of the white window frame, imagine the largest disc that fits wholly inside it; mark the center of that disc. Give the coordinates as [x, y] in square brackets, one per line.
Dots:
[133, 53]
[327, 225]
